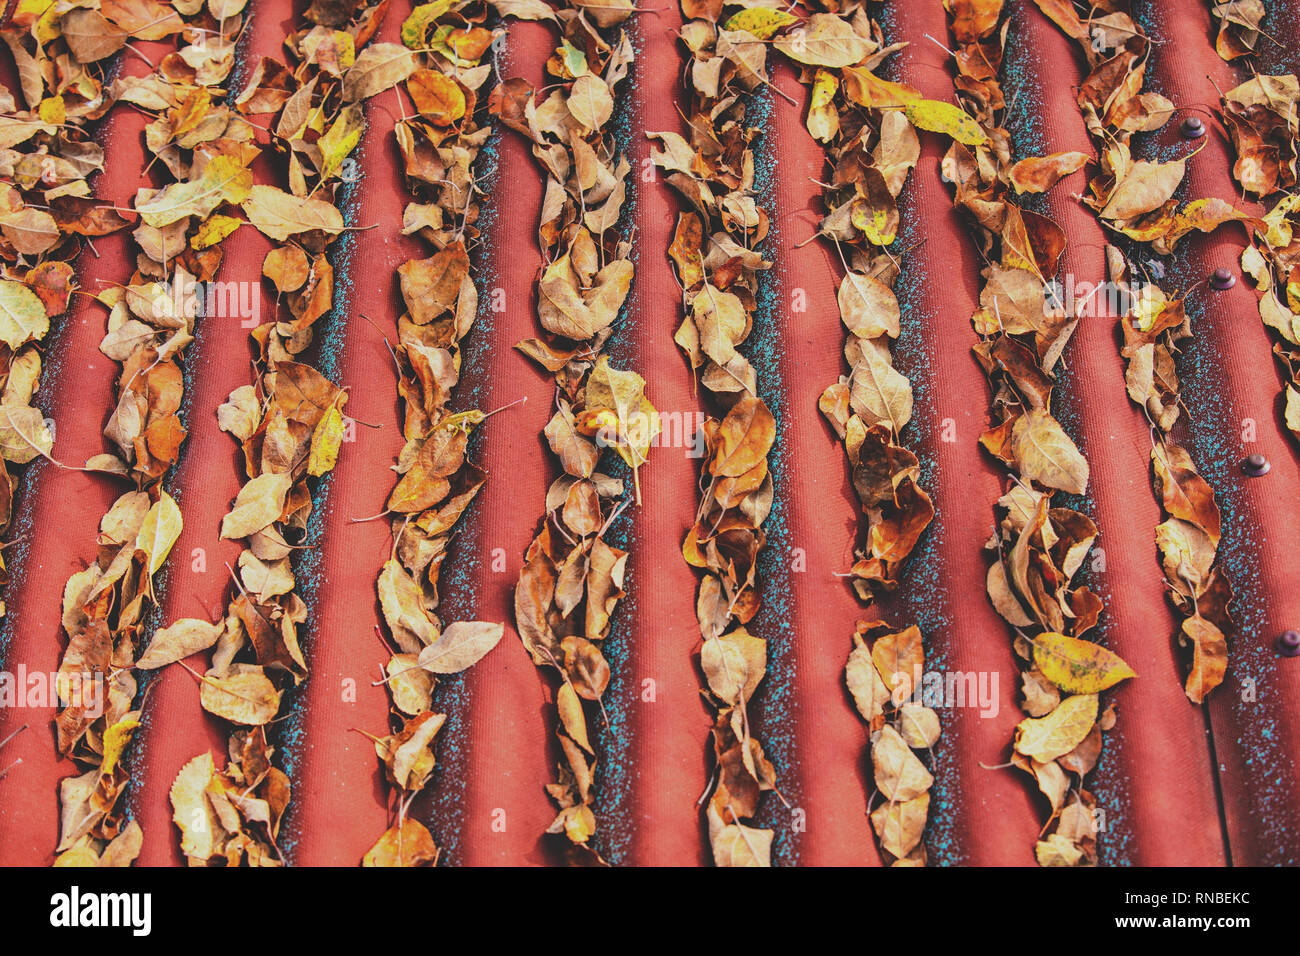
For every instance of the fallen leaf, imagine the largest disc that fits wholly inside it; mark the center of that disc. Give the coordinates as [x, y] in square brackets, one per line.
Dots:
[178, 641]
[1046, 738]
[279, 215]
[22, 315]
[1045, 453]
[1037, 174]
[242, 698]
[408, 843]
[461, 645]
[1077, 666]
[258, 503]
[940, 117]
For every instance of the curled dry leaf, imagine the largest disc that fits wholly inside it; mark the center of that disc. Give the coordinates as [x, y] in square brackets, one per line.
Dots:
[1037, 174]
[1209, 657]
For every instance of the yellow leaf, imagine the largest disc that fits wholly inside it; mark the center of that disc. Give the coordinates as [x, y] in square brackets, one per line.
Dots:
[23, 434]
[213, 230]
[29, 9]
[192, 810]
[875, 221]
[463, 421]
[464, 47]
[22, 316]
[1046, 738]
[341, 138]
[823, 120]
[115, 740]
[325, 442]
[761, 22]
[191, 111]
[416, 26]
[638, 422]
[223, 180]
[1277, 227]
[81, 854]
[437, 96]
[52, 110]
[579, 823]
[1057, 850]
[159, 531]
[48, 14]
[1077, 666]
[940, 117]
[866, 89]
[571, 61]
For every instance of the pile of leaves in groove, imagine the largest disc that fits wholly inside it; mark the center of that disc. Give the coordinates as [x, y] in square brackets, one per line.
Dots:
[289, 423]
[1260, 116]
[572, 580]
[1038, 549]
[870, 153]
[63, 54]
[713, 253]
[439, 145]
[1135, 200]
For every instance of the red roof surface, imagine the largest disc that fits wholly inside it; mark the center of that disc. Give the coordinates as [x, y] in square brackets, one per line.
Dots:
[1180, 784]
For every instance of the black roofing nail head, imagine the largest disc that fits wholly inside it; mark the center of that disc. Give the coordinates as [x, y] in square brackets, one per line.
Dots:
[1288, 643]
[1192, 128]
[1255, 465]
[1222, 278]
